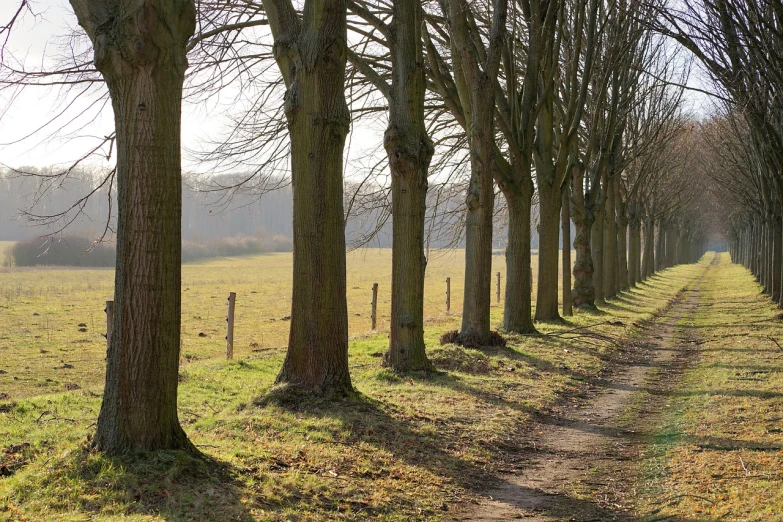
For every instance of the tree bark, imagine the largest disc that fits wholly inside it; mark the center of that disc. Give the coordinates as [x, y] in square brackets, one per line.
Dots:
[622, 239]
[549, 199]
[410, 150]
[548, 250]
[648, 262]
[517, 312]
[478, 251]
[597, 233]
[141, 54]
[312, 59]
[565, 226]
[479, 82]
[660, 243]
[622, 256]
[585, 203]
[610, 240]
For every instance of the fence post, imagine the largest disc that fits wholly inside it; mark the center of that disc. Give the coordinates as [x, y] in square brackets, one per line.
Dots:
[448, 294]
[498, 289]
[374, 313]
[109, 321]
[232, 300]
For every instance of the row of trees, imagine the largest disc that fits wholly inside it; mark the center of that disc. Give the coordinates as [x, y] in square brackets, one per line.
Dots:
[573, 102]
[739, 44]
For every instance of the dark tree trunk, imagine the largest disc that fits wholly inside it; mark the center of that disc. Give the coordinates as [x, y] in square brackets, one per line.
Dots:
[584, 291]
[583, 216]
[635, 254]
[478, 252]
[142, 58]
[312, 60]
[610, 241]
[565, 226]
[548, 250]
[660, 240]
[410, 151]
[597, 233]
[517, 313]
[622, 253]
[479, 96]
[778, 262]
[648, 262]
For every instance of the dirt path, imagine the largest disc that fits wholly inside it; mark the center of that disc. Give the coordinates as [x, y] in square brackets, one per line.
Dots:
[575, 466]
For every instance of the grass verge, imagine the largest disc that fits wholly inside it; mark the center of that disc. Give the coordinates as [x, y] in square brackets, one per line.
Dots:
[404, 447]
[718, 452]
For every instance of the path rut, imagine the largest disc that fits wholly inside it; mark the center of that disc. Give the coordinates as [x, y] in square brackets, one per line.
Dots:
[577, 460]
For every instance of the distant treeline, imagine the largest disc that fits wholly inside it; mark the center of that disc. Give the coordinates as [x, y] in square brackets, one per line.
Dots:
[207, 213]
[257, 211]
[79, 251]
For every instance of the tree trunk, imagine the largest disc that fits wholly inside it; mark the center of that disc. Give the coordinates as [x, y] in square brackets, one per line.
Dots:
[478, 254]
[610, 241]
[548, 250]
[142, 58]
[410, 151]
[565, 226]
[622, 254]
[634, 252]
[660, 243]
[318, 122]
[597, 232]
[648, 263]
[584, 291]
[583, 216]
[517, 313]
[478, 93]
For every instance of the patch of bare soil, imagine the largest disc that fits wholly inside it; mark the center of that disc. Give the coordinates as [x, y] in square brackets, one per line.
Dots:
[581, 458]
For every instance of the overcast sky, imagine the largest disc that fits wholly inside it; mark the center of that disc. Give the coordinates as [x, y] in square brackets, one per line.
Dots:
[33, 41]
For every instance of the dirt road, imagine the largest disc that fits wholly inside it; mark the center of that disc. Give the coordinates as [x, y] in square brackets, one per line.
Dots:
[579, 463]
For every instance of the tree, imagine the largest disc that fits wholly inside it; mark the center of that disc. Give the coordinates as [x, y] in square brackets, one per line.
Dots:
[410, 151]
[140, 52]
[476, 87]
[311, 56]
[557, 128]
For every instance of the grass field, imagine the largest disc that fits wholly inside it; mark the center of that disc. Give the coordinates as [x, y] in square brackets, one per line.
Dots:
[402, 448]
[719, 453]
[40, 336]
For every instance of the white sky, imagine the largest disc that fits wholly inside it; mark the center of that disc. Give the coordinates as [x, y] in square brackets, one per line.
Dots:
[33, 107]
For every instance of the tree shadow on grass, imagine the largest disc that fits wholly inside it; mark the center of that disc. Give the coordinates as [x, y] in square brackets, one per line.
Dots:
[560, 506]
[408, 437]
[383, 425]
[174, 485]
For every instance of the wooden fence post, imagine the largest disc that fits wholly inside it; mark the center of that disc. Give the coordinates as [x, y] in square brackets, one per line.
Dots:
[374, 313]
[498, 290]
[232, 300]
[448, 294]
[109, 321]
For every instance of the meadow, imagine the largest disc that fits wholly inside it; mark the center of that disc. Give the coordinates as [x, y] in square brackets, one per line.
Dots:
[418, 446]
[52, 323]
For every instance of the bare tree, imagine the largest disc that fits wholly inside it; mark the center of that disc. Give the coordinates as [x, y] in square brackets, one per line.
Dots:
[140, 51]
[311, 54]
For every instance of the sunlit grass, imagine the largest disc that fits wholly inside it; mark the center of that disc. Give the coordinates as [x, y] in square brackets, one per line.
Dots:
[43, 309]
[405, 447]
[719, 452]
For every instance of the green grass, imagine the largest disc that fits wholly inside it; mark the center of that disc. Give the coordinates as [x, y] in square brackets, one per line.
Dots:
[41, 310]
[402, 448]
[719, 451]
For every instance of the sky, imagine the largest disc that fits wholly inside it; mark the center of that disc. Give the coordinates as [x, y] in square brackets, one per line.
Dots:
[82, 123]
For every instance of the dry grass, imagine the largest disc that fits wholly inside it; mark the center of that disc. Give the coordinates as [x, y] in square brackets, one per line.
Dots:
[719, 454]
[404, 447]
[43, 308]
